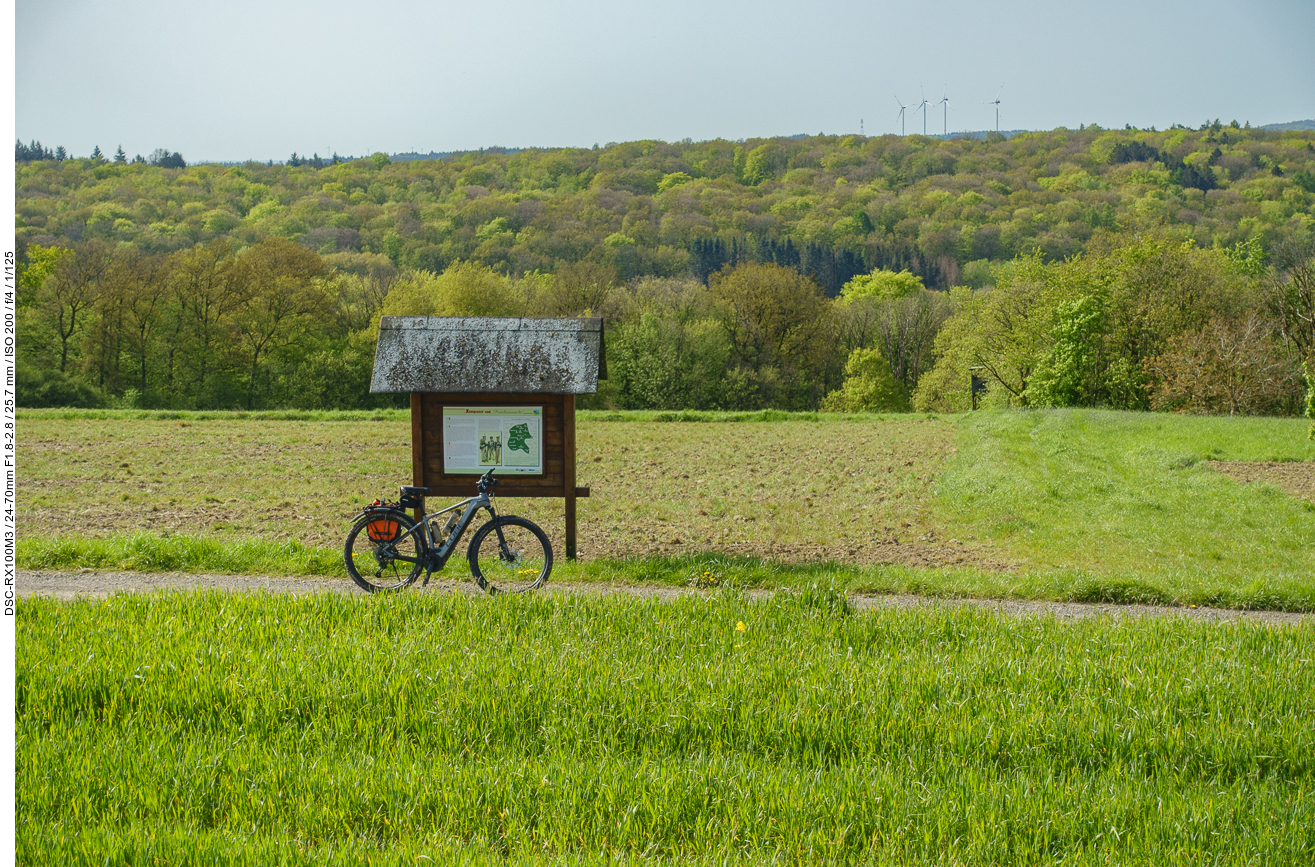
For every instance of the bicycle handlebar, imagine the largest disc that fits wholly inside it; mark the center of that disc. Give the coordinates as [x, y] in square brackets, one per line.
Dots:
[486, 481]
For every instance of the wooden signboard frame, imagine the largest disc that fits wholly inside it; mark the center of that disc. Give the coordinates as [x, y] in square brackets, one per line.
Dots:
[557, 479]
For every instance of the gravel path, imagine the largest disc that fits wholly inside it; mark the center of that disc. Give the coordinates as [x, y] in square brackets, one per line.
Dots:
[97, 584]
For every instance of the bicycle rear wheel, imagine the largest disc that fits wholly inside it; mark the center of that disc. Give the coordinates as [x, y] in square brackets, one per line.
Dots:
[520, 565]
[373, 546]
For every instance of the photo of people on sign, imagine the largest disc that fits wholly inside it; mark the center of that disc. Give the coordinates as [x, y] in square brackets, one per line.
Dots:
[507, 438]
[490, 448]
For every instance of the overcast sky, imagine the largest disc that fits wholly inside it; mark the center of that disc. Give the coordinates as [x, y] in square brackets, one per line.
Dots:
[257, 80]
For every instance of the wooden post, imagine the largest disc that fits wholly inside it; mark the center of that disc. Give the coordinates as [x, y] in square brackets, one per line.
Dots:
[418, 447]
[568, 484]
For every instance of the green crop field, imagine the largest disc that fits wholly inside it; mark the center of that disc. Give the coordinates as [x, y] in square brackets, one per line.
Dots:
[1068, 504]
[225, 729]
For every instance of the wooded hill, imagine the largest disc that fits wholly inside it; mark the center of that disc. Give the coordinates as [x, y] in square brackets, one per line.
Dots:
[1167, 270]
[828, 206]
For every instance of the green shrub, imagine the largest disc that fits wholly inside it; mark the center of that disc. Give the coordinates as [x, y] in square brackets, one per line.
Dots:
[45, 388]
[869, 386]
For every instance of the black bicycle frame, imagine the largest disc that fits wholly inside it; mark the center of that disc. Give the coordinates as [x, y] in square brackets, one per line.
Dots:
[434, 558]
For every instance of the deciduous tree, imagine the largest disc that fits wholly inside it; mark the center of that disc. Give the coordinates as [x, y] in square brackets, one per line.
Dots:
[771, 314]
[1291, 295]
[285, 299]
[72, 290]
[208, 285]
[869, 386]
[1226, 368]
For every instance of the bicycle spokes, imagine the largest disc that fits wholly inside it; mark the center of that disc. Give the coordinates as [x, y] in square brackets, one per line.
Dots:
[520, 560]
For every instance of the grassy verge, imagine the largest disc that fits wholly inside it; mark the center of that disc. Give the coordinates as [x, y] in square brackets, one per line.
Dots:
[147, 553]
[143, 552]
[212, 728]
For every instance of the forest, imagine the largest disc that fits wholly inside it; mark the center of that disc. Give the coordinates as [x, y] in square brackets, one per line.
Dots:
[1126, 268]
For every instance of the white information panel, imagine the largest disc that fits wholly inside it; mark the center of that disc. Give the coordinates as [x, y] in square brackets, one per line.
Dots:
[509, 438]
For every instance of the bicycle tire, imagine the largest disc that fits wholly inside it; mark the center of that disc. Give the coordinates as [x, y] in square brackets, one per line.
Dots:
[371, 562]
[524, 567]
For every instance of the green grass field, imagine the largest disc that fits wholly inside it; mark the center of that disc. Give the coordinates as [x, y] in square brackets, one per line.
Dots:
[1111, 506]
[224, 729]
[1075, 504]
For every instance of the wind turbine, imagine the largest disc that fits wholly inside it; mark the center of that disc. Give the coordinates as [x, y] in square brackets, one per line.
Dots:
[923, 107]
[996, 102]
[902, 106]
[945, 101]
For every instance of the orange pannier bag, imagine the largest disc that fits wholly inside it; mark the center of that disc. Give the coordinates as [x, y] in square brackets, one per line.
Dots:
[382, 529]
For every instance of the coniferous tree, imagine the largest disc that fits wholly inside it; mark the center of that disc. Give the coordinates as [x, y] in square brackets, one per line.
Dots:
[96, 154]
[1133, 151]
[61, 154]
[1197, 178]
[163, 158]
[33, 151]
[120, 157]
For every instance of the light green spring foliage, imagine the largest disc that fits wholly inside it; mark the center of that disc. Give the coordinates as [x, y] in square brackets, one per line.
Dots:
[674, 179]
[1065, 369]
[1072, 371]
[765, 162]
[1247, 257]
[882, 285]
[225, 728]
[990, 329]
[869, 386]
[1080, 331]
[41, 263]
[989, 199]
[463, 289]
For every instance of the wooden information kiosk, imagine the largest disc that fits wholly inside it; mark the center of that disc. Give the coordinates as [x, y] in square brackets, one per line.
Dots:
[493, 392]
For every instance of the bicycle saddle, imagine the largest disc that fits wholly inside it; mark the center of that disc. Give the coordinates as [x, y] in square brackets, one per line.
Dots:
[412, 490]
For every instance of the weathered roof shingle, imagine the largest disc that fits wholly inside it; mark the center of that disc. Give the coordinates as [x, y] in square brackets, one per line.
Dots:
[486, 355]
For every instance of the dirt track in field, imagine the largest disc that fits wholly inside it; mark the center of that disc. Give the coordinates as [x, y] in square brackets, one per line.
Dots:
[1296, 478]
[69, 585]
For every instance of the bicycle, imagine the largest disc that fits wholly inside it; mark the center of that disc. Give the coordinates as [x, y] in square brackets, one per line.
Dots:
[386, 548]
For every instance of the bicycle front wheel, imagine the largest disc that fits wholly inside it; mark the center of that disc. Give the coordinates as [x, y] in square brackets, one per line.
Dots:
[374, 547]
[514, 561]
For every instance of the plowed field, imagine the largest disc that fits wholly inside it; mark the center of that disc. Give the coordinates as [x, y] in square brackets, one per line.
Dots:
[853, 493]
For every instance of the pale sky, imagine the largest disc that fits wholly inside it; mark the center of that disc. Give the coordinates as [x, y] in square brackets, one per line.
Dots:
[257, 80]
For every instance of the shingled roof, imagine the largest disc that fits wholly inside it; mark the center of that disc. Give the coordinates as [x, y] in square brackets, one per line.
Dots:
[485, 355]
